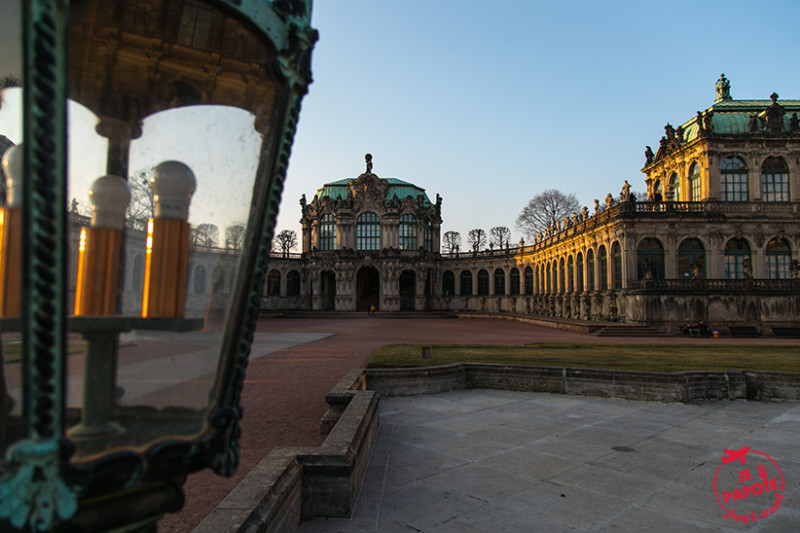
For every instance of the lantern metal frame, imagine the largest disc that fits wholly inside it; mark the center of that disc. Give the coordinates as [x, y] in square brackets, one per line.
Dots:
[40, 488]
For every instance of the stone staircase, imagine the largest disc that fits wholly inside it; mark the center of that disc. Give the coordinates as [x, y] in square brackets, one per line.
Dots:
[629, 330]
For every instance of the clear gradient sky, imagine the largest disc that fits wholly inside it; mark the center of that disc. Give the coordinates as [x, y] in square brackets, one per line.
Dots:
[490, 103]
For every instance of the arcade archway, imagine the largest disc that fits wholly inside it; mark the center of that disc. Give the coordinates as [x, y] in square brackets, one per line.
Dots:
[327, 282]
[368, 289]
[408, 282]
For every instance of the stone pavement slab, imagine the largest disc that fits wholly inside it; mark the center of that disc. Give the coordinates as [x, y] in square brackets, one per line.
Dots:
[487, 461]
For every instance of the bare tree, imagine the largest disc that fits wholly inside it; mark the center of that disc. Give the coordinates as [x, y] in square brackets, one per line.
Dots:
[285, 242]
[142, 205]
[204, 235]
[452, 241]
[545, 210]
[234, 236]
[500, 236]
[10, 80]
[476, 239]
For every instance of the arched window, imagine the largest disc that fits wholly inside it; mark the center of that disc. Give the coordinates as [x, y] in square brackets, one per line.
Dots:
[448, 283]
[427, 236]
[528, 280]
[408, 232]
[650, 259]
[499, 282]
[561, 272]
[779, 259]
[570, 274]
[483, 282]
[694, 183]
[554, 277]
[734, 187]
[691, 259]
[616, 255]
[200, 279]
[466, 283]
[579, 271]
[327, 232]
[590, 270]
[368, 232]
[602, 265]
[293, 283]
[675, 187]
[273, 283]
[737, 259]
[513, 281]
[774, 180]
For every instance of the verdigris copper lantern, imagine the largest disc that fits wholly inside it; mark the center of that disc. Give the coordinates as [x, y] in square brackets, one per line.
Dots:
[145, 147]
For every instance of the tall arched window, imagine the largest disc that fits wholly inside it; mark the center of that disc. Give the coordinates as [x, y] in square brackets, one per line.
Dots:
[293, 283]
[499, 282]
[570, 274]
[779, 259]
[561, 272]
[273, 283]
[737, 259]
[465, 288]
[528, 280]
[774, 180]
[616, 255]
[427, 236]
[650, 259]
[483, 282]
[449, 283]
[513, 281]
[554, 276]
[675, 187]
[691, 259]
[590, 270]
[602, 264]
[408, 232]
[327, 232]
[734, 187]
[579, 272]
[695, 187]
[368, 232]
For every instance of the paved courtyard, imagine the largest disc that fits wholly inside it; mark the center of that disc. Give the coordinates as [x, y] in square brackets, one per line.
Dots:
[285, 388]
[488, 461]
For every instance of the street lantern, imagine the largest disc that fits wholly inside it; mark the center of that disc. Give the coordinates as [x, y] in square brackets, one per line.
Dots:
[141, 129]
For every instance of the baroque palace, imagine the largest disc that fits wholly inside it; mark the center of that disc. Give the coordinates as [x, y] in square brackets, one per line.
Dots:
[715, 240]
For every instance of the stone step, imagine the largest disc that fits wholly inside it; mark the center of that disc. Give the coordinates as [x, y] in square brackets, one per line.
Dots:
[630, 331]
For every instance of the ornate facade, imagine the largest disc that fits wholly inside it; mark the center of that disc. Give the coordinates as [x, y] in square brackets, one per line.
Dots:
[716, 239]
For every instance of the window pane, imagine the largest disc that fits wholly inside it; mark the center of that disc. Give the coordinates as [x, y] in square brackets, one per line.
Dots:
[368, 232]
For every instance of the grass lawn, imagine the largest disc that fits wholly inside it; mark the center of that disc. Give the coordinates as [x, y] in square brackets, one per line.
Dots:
[12, 351]
[645, 357]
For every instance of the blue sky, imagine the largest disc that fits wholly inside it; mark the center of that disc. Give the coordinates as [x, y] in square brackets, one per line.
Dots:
[490, 103]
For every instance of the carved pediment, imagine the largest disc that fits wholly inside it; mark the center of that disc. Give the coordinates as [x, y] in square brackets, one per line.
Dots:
[368, 191]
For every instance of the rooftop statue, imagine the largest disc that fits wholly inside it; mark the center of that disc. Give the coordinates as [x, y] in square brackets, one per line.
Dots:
[368, 158]
[723, 89]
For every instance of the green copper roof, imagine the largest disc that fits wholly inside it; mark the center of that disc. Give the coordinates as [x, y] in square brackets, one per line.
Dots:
[732, 117]
[401, 189]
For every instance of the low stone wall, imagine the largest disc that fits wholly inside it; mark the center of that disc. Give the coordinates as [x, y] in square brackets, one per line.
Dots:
[294, 484]
[627, 384]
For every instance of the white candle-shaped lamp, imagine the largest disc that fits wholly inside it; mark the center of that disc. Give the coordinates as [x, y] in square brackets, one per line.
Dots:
[167, 261]
[11, 235]
[99, 253]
